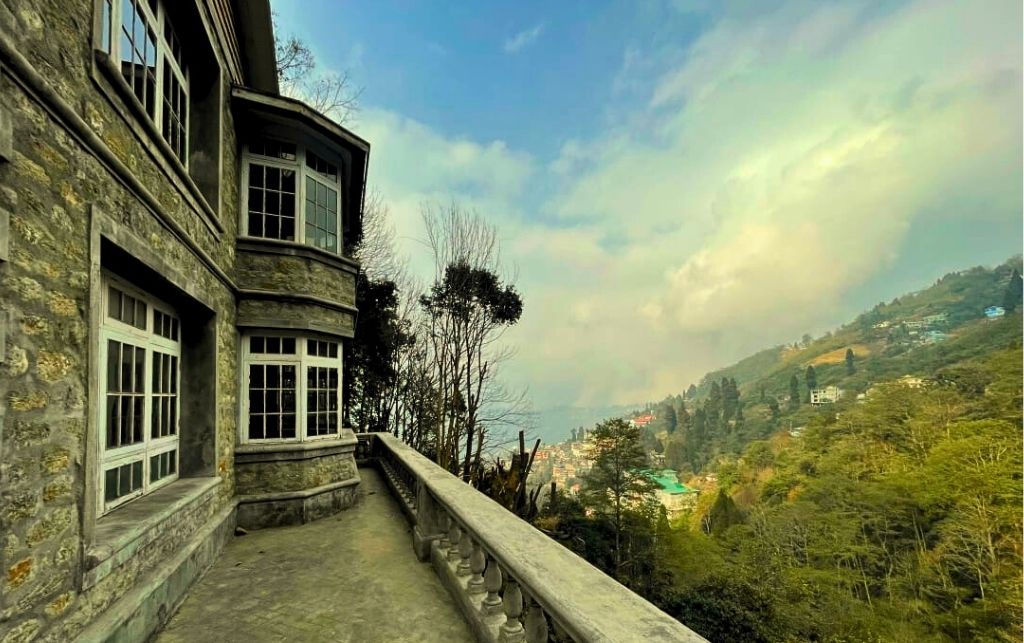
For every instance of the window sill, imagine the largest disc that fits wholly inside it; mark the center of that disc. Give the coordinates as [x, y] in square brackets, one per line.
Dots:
[124, 531]
[296, 249]
[113, 76]
[314, 448]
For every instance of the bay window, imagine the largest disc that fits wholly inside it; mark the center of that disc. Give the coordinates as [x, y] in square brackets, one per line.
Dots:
[140, 352]
[292, 194]
[291, 388]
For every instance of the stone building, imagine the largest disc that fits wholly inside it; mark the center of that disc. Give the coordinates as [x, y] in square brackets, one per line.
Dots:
[176, 290]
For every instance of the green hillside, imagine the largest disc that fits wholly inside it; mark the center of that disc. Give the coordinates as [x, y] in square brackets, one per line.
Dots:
[920, 334]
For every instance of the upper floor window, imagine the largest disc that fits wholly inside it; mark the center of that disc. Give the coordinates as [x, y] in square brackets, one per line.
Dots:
[292, 194]
[294, 388]
[140, 353]
[139, 34]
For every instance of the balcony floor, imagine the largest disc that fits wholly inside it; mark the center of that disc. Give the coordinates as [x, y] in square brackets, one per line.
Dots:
[350, 577]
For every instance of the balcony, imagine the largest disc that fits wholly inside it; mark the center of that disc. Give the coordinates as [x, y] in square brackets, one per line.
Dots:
[489, 575]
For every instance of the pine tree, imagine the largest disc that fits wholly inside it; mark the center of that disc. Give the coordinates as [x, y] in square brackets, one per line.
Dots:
[691, 392]
[1012, 296]
[850, 368]
[794, 392]
[616, 482]
[812, 381]
[671, 421]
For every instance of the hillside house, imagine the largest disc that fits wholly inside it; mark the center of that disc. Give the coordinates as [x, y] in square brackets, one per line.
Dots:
[675, 496]
[827, 395]
[642, 420]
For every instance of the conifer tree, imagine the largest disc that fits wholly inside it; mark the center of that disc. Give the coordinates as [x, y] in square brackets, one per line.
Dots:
[794, 392]
[1012, 296]
[850, 368]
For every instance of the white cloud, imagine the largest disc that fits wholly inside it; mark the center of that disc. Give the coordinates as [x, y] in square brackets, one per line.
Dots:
[518, 42]
[782, 164]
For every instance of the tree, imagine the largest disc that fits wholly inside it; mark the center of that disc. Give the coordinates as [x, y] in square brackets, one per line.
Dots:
[794, 392]
[617, 481]
[812, 380]
[723, 514]
[298, 76]
[1012, 296]
[850, 368]
[691, 392]
[467, 310]
[668, 414]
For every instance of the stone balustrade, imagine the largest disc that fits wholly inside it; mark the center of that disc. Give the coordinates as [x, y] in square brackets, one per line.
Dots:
[512, 582]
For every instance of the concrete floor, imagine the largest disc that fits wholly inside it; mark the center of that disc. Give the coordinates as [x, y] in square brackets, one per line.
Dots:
[352, 577]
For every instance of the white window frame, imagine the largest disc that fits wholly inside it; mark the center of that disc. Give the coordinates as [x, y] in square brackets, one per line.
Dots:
[302, 171]
[149, 341]
[109, 41]
[301, 360]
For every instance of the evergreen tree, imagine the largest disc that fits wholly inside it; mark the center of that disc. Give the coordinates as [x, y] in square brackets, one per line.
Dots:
[1012, 296]
[723, 514]
[713, 405]
[850, 368]
[691, 392]
[794, 392]
[669, 418]
[812, 381]
[773, 406]
[616, 483]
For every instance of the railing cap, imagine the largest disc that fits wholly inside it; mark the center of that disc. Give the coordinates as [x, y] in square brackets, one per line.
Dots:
[588, 603]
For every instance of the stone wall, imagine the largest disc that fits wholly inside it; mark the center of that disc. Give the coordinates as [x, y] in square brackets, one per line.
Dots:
[60, 195]
[281, 475]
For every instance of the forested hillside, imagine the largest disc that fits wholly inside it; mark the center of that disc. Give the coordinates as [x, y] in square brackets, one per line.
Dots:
[890, 514]
[916, 335]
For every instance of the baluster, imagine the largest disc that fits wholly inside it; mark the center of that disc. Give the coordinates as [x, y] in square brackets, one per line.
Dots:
[492, 582]
[444, 522]
[512, 604]
[465, 551]
[536, 623]
[477, 562]
[454, 536]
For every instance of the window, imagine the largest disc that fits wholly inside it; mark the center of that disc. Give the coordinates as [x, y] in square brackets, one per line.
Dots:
[280, 175]
[294, 388]
[139, 34]
[141, 352]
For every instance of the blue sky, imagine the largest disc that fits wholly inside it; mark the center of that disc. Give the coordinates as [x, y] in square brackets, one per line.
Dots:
[681, 182]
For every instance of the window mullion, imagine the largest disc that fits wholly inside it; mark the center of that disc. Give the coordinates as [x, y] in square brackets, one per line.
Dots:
[300, 196]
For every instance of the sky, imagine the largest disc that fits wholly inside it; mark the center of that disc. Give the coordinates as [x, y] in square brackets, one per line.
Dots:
[680, 183]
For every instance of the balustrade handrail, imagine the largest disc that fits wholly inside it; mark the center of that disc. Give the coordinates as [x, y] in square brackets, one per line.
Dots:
[584, 601]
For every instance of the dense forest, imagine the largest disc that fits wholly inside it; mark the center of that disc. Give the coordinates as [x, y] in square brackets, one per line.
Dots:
[892, 514]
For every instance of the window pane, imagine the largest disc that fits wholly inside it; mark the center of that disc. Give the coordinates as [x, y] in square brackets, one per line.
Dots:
[256, 344]
[110, 485]
[113, 421]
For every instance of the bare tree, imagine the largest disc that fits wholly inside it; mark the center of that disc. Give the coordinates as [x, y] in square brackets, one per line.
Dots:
[331, 93]
[468, 308]
[376, 251]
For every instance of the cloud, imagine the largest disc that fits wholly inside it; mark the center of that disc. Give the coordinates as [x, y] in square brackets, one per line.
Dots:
[782, 165]
[524, 38]
[787, 160]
